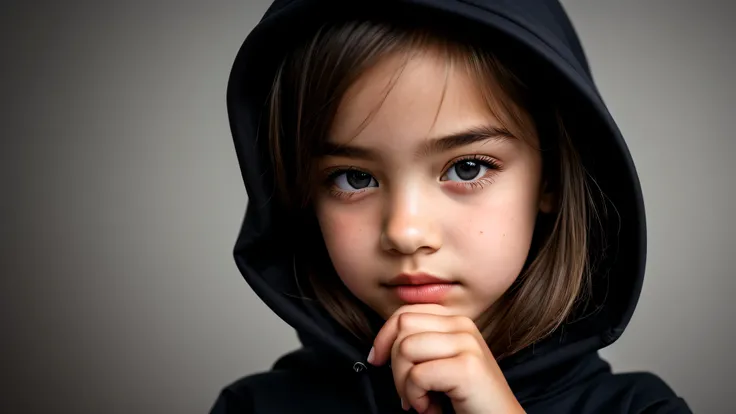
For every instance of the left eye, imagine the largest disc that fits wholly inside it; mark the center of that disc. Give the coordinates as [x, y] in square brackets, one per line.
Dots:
[466, 170]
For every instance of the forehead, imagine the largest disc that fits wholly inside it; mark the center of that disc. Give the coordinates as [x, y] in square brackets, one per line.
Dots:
[406, 99]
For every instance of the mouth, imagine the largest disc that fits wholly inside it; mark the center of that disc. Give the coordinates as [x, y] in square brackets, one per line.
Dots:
[420, 288]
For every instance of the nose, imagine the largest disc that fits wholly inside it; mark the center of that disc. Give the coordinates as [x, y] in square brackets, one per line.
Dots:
[411, 224]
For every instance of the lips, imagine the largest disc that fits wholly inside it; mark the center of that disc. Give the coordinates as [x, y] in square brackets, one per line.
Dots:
[420, 288]
[415, 279]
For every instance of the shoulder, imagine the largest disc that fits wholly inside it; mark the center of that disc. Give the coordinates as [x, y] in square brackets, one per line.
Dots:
[637, 392]
[263, 392]
[238, 397]
[287, 391]
[603, 392]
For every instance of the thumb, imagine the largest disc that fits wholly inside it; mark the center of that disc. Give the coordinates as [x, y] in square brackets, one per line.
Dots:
[434, 408]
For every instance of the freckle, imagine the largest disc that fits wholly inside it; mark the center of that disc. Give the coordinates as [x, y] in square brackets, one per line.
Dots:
[481, 232]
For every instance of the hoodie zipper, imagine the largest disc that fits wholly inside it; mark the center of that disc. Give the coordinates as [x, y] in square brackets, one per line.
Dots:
[360, 368]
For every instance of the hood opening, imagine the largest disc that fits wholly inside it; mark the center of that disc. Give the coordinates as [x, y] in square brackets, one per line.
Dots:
[544, 43]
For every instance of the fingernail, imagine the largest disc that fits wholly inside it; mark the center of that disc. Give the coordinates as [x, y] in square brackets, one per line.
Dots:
[404, 406]
[371, 355]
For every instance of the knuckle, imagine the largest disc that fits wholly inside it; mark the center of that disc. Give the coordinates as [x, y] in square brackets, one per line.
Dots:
[465, 323]
[468, 363]
[405, 346]
[468, 339]
[415, 374]
[405, 320]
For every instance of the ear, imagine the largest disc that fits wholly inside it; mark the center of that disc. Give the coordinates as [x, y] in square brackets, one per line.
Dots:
[547, 199]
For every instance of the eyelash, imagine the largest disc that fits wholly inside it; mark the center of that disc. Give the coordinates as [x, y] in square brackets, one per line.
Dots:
[493, 167]
[333, 173]
[492, 164]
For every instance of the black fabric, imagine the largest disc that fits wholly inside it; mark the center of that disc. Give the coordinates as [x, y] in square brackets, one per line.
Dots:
[561, 374]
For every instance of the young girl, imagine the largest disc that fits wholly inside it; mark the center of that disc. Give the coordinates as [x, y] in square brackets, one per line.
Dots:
[441, 206]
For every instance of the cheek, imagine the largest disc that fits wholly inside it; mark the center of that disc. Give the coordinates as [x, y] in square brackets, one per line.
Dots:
[347, 236]
[494, 244]
[496, 250]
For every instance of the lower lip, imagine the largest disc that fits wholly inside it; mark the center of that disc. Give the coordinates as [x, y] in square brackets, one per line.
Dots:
[430, 293]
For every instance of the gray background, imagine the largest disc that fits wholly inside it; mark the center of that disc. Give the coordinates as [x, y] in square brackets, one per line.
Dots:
[121, 200]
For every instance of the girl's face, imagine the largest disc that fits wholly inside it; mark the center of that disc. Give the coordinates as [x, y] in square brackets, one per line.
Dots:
[426, 190]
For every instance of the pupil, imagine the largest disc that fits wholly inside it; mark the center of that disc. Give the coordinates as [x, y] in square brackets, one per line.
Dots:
[358, 179]
[467, 170]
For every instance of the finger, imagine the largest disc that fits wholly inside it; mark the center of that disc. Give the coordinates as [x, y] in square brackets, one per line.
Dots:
[413, 323]
[440, 375]
[425, 346]
[438, 402]
[434, 408]
[389, 332]
[422, 337]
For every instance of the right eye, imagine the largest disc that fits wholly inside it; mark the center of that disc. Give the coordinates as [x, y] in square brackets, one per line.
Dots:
[353, 180]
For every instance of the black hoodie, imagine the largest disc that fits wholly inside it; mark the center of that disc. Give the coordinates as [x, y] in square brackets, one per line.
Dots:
[329, 374]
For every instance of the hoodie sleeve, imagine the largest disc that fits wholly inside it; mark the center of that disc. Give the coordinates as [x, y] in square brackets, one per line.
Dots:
[232, 402]
[673, 405]
[636, 393]
[631, 393]
[651, 395]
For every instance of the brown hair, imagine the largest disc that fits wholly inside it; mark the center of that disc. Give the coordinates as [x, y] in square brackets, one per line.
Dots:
[307, 89]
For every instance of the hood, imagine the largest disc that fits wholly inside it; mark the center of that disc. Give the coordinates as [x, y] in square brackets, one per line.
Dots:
[542, 32]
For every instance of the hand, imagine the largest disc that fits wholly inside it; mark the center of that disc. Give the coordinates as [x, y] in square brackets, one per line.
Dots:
[434, 351]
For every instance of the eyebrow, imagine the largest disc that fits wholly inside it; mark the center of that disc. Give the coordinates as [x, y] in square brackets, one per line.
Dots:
[431, 147]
